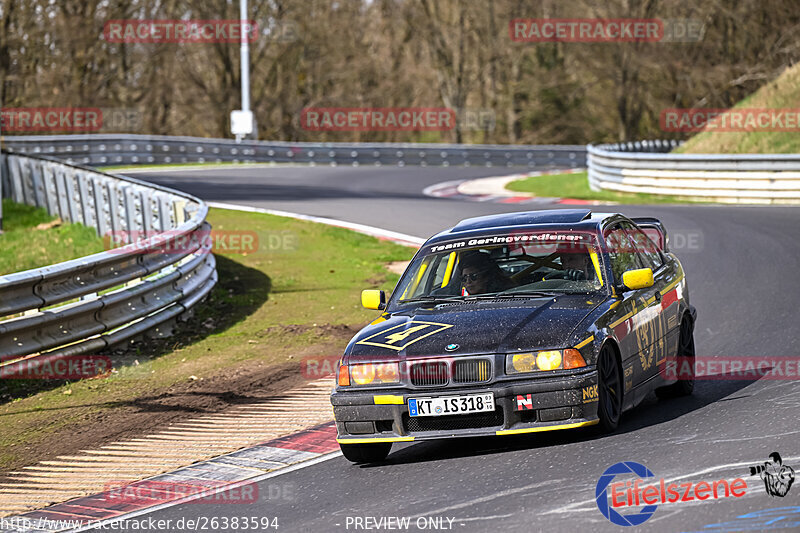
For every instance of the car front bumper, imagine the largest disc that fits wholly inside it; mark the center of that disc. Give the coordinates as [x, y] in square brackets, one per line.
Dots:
[365, 416]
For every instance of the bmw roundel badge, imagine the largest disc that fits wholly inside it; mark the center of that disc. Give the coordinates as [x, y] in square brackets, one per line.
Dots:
[451, 347]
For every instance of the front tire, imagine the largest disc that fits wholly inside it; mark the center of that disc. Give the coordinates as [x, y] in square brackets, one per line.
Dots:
[366, 453]
[686, 356]
[609, 401]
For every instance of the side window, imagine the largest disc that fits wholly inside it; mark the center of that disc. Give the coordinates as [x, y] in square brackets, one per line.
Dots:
[621, 252]
[646, 249]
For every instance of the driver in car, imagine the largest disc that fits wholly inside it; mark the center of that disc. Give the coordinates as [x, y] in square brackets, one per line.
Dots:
[480, 274]
[575, 266]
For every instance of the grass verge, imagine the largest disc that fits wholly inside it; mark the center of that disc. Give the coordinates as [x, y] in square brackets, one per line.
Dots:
[24, 246]
[296, 294]
[577, 186]
[781, 93]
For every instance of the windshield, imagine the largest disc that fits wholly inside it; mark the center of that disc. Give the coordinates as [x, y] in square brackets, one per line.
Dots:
[503, 265]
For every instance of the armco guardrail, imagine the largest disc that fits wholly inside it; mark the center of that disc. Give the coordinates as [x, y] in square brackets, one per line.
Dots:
[87, 304]
[125, 149]
[732, 178]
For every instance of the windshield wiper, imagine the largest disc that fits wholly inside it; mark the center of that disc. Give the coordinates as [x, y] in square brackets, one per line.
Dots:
[528, 294]
[430, 299]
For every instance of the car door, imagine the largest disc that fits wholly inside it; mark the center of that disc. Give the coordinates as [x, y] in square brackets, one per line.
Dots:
[652, 319]
[628, 326]
[667, 276]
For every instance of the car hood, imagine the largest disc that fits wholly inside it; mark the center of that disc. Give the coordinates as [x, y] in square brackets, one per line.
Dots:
[471, 327]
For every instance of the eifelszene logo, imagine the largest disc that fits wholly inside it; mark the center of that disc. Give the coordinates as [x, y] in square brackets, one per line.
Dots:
[614, 497]
[777, 477]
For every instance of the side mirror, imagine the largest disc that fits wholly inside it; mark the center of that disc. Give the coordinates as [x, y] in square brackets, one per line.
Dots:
[374, 299]
[641, 278]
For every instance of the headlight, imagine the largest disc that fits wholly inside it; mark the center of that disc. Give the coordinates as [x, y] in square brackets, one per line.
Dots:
[549, 360]
[365, 374]
[519, 363]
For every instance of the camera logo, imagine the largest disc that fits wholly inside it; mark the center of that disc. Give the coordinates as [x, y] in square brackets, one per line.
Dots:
[602, 496]
[777, 477]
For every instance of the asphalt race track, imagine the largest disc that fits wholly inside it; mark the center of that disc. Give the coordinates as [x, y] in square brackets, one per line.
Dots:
[742, 268]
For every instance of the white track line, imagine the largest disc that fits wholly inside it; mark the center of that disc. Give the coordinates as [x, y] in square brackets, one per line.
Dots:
[401, 238]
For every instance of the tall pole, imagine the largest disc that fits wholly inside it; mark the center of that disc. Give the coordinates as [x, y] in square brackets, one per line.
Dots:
[244, 58]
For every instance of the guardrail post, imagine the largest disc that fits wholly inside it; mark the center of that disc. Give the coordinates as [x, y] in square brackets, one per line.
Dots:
[69, 179]
[28, 193]
[164, 217]
[130, 213]
[113, 212]
[179, 212]
[145, 197]
[61, 191]
[38, 185]
[83, 195]
[50, 189]
[16, 180]
[99, 213]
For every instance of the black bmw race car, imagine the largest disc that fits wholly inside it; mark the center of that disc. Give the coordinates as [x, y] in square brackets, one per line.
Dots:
[517, 323]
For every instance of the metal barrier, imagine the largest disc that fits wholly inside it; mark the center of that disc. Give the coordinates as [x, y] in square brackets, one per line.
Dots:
[644, 167]
[87, 304]
[125, 149]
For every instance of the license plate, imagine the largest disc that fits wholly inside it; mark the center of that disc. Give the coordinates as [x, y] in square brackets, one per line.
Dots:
[451, 405]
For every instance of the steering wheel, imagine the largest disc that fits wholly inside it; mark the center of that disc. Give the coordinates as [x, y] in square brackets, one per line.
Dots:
[569, 274]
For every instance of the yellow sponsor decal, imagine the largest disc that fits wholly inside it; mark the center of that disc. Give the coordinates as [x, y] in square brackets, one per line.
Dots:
[546, 428]
[388, 399]
[672, 285]
[589, 394]
[584, 342]
[672, 321]
[397, 338]
[651, 337]
[596, 263]
[378, 320]
[621, 320]
[368, 440]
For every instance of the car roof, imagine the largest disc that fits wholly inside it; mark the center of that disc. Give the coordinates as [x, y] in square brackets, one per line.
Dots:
[548, 219]
[525, 218]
